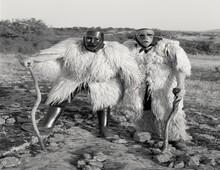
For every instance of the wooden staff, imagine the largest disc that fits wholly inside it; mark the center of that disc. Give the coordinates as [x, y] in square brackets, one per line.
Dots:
[174, 111]
[34, 109]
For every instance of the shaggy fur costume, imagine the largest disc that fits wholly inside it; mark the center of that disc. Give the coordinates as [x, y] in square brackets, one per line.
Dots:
[160, 66]
[108, 73]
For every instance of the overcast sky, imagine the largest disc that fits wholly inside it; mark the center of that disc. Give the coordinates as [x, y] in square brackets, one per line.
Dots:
[191, 15]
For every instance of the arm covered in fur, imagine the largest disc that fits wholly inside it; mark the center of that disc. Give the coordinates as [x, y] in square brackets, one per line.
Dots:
[181, 63]
[179, 58]
[54, 52]
[48, 61]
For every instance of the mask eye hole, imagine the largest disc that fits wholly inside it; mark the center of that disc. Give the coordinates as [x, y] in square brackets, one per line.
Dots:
[92, 39]
[96, 40]
[142, 36]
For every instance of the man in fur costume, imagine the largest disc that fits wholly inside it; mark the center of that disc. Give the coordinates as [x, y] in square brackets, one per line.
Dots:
[165, 66]
[103, 69]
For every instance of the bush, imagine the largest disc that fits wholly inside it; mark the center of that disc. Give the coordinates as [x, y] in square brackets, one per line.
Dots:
[24, 35]
[42, 45]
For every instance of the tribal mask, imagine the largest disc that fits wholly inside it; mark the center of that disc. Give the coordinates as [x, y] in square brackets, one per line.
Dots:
[144, 37]
[93, 40]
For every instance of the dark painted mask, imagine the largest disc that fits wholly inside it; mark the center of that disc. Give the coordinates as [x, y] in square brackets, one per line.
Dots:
[93, 40]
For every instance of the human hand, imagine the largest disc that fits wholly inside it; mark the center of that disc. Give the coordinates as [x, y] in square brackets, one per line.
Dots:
[178, 92]
[27, 62]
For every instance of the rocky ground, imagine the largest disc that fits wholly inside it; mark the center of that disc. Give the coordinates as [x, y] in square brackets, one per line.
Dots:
[75, 144]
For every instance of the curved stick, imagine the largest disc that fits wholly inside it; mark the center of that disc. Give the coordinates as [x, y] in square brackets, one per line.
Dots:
[171, 117]
[34, 109]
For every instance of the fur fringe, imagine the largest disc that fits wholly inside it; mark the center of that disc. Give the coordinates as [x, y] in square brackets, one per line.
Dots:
[105, 94]
[49, 61]
[61, 91]
[131, 105]
[178, 128]
[102, 95]
[49, 69]
[177, 54]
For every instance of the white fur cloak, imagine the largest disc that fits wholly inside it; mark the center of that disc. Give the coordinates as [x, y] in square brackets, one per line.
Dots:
[108, 72]
[160, 66]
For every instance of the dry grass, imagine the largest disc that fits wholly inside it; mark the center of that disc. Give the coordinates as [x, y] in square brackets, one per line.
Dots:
[203, 93]
[203, 87]
[204, 62]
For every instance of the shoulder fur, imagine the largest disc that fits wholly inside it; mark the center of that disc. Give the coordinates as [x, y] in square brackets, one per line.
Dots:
[53, 68]
[176, 53]
[58, 48]
[116, 52]
[163, 43]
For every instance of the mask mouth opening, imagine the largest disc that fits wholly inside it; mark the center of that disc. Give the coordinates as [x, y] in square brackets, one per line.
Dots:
[142, 43]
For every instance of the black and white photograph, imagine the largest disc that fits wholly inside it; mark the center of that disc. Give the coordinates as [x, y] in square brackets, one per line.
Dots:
[109, 85]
